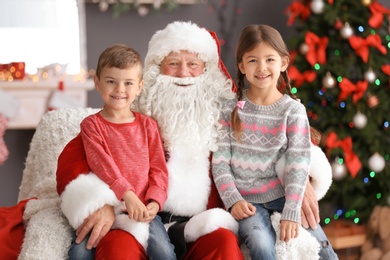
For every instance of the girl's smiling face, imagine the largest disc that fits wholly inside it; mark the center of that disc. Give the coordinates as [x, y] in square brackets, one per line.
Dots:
[262, 66]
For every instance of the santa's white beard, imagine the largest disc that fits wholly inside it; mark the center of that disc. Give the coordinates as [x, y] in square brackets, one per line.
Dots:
[185, 115]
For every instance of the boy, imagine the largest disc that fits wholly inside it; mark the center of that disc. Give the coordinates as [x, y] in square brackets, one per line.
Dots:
[124, 149]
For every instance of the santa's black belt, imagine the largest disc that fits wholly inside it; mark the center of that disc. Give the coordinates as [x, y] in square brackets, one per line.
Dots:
[168, 217]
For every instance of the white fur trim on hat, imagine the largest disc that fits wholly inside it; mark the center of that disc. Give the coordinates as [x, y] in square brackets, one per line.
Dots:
[320, 171]
[179, 36]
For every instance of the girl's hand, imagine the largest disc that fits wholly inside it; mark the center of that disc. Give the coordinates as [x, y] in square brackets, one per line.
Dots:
[134, 206]
[288, 230]
[242, 209]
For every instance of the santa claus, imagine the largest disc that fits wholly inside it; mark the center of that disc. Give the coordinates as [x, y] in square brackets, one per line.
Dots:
[185, 87]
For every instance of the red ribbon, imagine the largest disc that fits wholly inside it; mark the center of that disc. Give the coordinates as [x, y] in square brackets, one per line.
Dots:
[386, 69]
[351, 159]
[377, 11]
[317, 48]
[348, 88]
[360, 45]
[297, 9]
[300, 78]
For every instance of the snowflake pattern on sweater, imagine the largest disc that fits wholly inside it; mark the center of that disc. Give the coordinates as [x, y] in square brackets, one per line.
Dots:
[245, 169]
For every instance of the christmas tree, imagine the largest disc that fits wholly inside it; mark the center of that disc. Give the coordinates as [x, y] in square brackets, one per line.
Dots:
[340, 70]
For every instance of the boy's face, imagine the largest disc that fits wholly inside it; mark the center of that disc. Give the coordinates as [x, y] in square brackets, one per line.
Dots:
[119, 87]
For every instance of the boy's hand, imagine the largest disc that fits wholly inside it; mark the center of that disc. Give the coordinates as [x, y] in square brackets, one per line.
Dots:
[242, 209]
[134, 206]
[153, 207]
[288, 230]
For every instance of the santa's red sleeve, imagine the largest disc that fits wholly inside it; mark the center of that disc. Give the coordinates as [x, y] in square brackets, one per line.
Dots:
[71, 163]
[82, 192]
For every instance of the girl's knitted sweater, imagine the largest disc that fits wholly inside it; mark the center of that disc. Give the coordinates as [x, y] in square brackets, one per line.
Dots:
[245, 169]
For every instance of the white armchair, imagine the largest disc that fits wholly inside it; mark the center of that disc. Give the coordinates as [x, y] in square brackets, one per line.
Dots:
[48, 234]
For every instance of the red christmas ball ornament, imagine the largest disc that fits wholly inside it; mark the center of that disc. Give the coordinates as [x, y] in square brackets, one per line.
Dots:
[372, 101]
[338, 24]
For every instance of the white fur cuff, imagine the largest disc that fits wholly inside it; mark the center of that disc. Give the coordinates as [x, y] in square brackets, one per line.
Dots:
[83, 196]
[320, 172]
[207, 222]
[140, 230]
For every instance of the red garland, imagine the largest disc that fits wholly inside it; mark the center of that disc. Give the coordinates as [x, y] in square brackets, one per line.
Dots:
[351, 159]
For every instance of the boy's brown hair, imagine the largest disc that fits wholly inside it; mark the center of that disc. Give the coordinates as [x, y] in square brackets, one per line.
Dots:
[119, 56]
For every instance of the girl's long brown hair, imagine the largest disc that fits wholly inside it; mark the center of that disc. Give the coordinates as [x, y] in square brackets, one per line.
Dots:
[250, 37]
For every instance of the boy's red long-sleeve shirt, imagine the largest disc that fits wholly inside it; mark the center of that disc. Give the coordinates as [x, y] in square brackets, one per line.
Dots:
[128, 156]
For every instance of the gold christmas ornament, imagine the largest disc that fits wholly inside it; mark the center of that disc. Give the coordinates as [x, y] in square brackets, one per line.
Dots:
[303, 48]
[346, 31]
[376, 162]
[370, 75]
[328, 81]
[317, 6]
[339, 171]
[366, 2]
[360, 120]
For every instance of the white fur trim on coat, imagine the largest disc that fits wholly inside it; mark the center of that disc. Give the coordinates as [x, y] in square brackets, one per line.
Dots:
[320, 171]
[140, 230]
[83, 196]
[207, 222]
[86, 194]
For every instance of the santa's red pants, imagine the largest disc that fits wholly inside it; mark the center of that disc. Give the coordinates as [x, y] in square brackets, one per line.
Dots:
[220, 244]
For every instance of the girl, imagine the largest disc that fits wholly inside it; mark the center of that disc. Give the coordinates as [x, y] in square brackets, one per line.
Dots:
[264, 125]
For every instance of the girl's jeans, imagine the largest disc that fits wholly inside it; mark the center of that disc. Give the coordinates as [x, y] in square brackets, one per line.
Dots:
[259, 235]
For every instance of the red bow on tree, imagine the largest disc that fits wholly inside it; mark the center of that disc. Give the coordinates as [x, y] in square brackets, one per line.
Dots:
[317, 48]
[360, 45]
[348, 88]
[297, 9]
[351, 160]
[300, 78]
[386, 69]
[377, 11]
